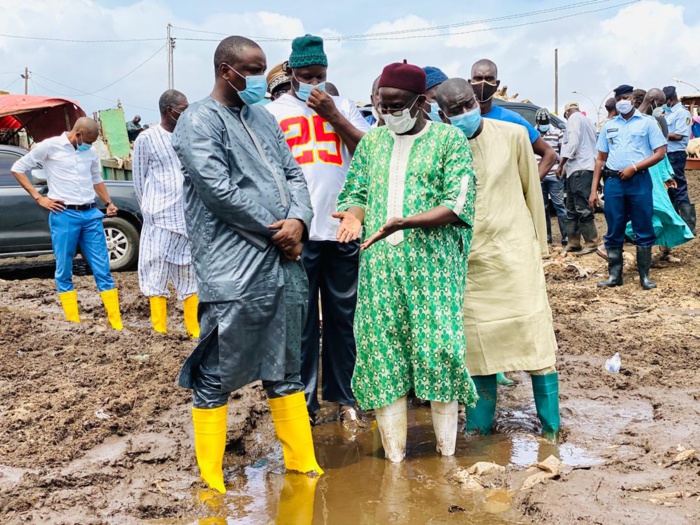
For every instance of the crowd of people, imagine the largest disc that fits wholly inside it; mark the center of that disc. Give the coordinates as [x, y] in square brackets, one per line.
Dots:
[417, 234]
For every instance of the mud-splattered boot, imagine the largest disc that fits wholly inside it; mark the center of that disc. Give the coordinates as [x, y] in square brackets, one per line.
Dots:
[69, 302]
[159, 314]
[210, 444]
[445, 416]
[110, 298]
[615, 263]
[590, 236]
[291, 420]
[392, 421]
[480, 418]
[546, 391]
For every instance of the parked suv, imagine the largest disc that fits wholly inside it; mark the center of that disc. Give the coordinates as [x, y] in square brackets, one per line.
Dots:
[24, 226]
[528, 110]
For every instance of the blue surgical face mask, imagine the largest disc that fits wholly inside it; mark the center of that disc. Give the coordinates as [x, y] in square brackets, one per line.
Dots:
[666, 109]
[468, 122]
[82, 146]
[434, 112]
[255, 87]
[544, 128]
[305, 89]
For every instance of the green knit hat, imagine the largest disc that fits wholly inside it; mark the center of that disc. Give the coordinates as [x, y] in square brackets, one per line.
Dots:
[307, 50]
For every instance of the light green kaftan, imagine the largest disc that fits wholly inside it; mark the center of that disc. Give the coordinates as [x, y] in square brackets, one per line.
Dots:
[409, 327]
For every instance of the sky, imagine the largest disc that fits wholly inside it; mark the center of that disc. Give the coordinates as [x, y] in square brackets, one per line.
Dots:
[601, 44]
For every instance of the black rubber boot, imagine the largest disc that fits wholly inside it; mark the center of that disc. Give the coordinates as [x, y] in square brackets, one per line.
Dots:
[614, 267]
[687, 213]
[590, 236]
[643, 265]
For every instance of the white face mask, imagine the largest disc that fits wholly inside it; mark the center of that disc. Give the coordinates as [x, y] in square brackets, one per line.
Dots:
[376, 114]
[623, 107]
[403, 123]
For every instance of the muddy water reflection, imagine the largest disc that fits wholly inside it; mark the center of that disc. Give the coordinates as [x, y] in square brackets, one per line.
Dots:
[360, 487]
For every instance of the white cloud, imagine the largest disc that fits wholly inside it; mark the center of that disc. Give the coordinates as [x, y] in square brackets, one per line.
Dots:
[645, 44]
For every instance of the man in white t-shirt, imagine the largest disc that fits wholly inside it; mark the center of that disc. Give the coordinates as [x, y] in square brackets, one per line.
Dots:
[323, 132]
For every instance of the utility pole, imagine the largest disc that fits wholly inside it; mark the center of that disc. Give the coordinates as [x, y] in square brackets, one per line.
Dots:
[26, 77]
[171, 64]
[556, 81]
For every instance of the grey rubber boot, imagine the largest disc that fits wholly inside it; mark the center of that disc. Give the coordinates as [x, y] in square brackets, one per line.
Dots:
[614, 267]
[562, 230]
[643, 265]
[590, 236]
[687, 213]
[573, 236]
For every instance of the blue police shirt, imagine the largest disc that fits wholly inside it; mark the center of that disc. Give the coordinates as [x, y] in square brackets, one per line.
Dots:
[629, 141]
[679, 121]
[506, 115]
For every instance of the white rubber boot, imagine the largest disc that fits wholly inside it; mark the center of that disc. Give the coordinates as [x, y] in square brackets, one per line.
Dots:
[392, 423]
[445, 425]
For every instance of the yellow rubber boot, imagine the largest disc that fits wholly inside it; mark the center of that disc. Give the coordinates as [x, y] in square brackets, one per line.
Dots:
[69, 301]
[291, 419]
[110, 298]
[296, 505]
[159, 313]
[190, 307]
[210, 443]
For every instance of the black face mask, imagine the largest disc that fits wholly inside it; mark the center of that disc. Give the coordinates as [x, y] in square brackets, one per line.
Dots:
[484, 90]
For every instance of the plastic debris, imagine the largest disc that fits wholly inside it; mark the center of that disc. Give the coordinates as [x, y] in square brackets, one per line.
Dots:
[613, 364]
[484, 468]
[101, 414]
[547, 469]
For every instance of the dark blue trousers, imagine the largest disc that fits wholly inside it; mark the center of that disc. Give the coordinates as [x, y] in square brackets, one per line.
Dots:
[678, 195]
[630, 200]
[332, 270]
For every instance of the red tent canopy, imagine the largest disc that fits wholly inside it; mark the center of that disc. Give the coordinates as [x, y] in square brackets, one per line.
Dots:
[42, 117]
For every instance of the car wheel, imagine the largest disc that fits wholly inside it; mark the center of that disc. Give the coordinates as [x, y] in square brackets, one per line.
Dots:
[122, 243]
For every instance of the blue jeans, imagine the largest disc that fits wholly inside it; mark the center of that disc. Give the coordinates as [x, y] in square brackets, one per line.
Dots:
[554, 188]
[70, 229]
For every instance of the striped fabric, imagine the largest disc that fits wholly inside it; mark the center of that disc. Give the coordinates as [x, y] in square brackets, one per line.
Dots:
[164, 255]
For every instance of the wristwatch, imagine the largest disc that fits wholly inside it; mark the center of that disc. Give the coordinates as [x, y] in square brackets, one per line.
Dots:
[108, 204]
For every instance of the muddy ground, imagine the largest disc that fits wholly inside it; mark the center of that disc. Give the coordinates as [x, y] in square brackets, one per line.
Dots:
[94, 430]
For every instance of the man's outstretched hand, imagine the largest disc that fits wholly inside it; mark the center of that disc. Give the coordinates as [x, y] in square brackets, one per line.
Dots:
[392, 225]
[350, 227]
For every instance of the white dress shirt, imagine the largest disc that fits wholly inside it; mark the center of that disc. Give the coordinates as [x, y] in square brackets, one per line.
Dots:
[70, 174]
[579, 144]
[158, 180]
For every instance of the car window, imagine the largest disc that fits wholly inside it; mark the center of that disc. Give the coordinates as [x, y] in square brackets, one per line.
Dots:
[527, 113]
[6, 162]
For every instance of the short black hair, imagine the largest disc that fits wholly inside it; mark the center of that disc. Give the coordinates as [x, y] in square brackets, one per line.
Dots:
[610, 104]
[170, 99]
[230, 48]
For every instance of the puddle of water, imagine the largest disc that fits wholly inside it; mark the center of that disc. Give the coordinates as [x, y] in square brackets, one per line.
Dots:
[360, 487]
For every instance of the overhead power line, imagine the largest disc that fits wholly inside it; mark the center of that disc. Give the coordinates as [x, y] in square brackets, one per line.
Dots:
[75, 40]
[389, 35]
[511, 26]
[11, 83]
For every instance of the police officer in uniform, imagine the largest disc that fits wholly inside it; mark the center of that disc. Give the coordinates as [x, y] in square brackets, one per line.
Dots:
[628, 145]
[679, 122]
